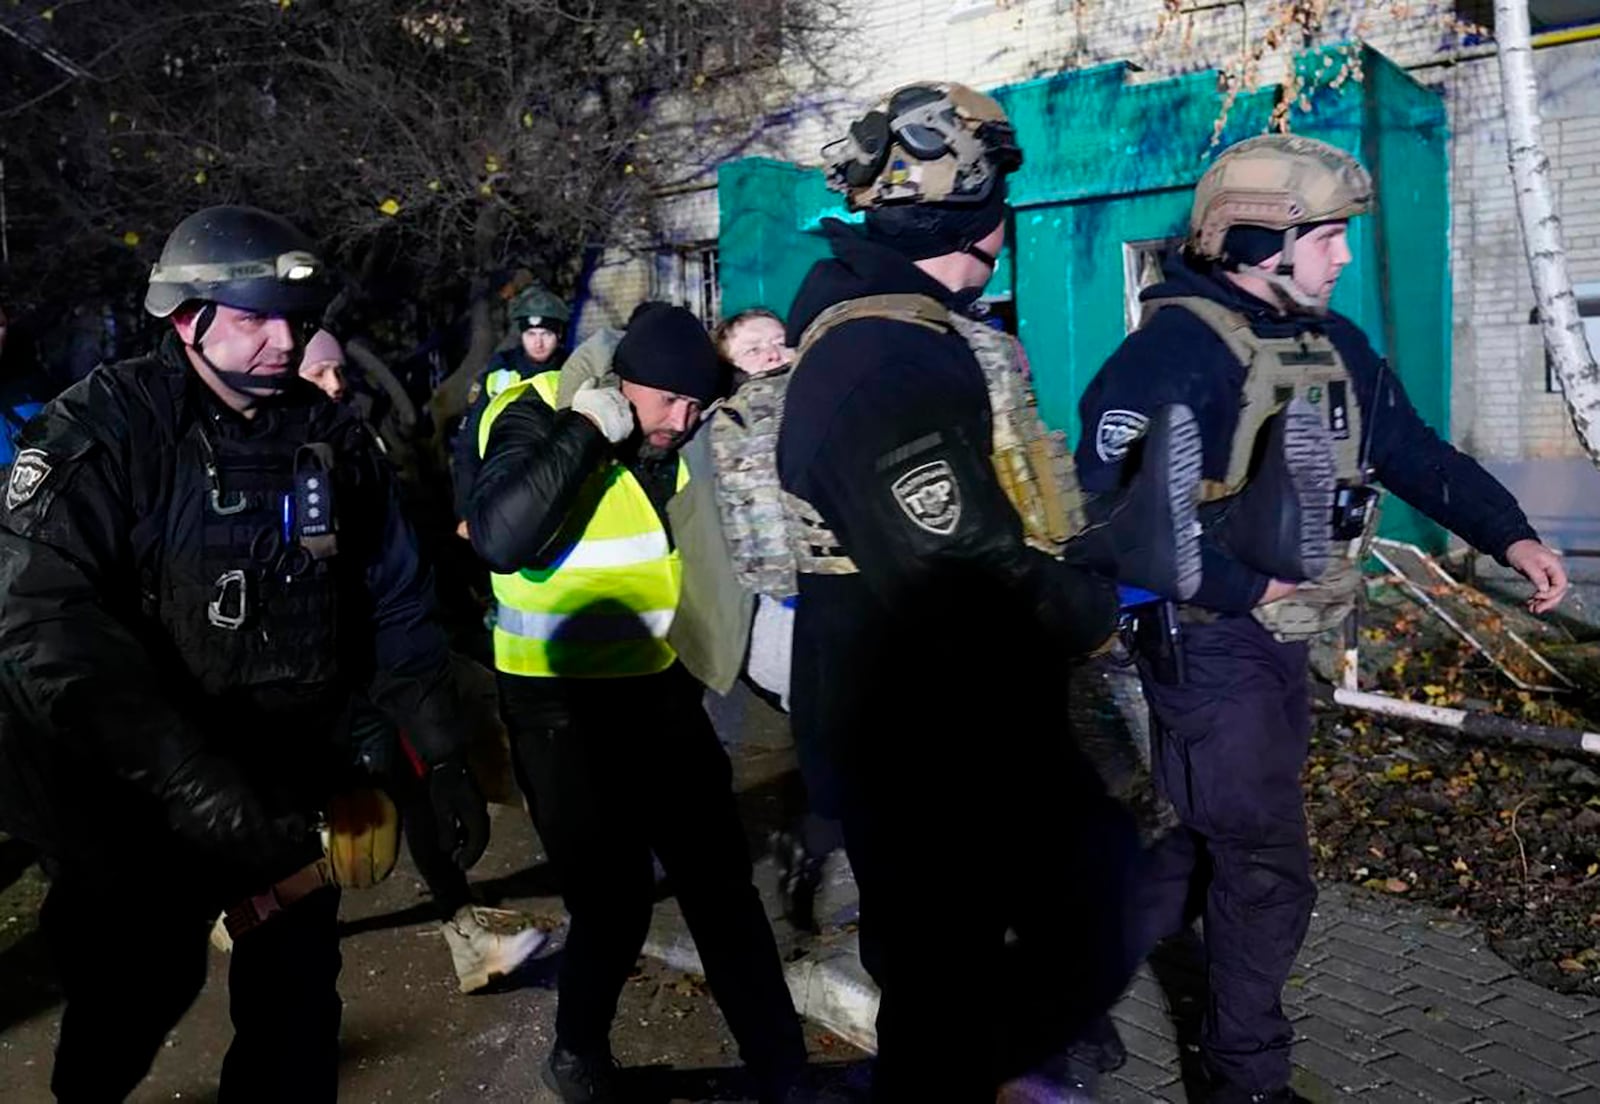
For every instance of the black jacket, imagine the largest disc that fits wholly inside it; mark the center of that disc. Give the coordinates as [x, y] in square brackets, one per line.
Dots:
[112, 688]
[948, 597]
[1177, 358]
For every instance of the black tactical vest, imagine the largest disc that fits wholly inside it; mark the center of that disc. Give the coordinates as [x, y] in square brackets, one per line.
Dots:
[248, 582]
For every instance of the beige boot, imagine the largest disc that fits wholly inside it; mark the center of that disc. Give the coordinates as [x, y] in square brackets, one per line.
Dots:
[489, 943]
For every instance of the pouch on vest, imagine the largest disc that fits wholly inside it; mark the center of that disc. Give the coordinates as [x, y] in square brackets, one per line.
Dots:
[315, 516]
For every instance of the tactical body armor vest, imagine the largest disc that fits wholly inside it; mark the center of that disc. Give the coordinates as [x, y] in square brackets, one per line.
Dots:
[773, 534]
[246, 586]
[1278, 369]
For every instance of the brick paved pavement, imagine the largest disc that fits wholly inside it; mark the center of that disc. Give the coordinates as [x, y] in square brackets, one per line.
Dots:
[1391, 1002]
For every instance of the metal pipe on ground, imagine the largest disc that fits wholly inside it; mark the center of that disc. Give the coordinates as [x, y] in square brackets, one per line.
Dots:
[1469, 722]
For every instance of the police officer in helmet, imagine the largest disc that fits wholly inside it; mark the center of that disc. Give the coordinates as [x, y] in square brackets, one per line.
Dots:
[200, 560]
[1240, 324]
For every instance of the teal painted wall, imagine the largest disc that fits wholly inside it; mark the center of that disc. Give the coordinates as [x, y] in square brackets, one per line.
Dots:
[1109, 163]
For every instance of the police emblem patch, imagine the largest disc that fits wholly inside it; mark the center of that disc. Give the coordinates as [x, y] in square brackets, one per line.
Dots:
[930, 497]
[473, 392]
[1116, 433]
[28, 473]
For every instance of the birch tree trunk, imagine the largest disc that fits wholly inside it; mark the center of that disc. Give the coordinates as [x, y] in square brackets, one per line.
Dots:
[1541, 227]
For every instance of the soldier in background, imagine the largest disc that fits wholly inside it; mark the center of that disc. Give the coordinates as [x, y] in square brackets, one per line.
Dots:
[539, 321]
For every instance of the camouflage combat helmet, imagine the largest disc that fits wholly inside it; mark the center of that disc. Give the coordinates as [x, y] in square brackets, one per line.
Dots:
[536, 307]
[929, 142]
[1276, 181]
[241, 257]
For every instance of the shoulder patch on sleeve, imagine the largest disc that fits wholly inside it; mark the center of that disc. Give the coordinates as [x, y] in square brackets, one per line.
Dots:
[1116, 432]
[28, 473]
[931, 497]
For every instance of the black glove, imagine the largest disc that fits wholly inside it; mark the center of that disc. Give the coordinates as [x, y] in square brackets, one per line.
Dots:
[463, 816]
[209, 802]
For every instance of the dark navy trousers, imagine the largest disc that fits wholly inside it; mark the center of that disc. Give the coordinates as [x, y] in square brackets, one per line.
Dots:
[1228, 744]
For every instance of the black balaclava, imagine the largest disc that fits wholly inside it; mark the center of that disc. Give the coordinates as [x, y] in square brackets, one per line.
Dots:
[922, 230]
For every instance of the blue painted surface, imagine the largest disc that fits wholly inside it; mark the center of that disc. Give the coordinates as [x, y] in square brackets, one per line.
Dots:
[8, 431]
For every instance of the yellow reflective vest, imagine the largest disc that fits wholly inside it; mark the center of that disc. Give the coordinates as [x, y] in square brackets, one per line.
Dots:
[603, 602]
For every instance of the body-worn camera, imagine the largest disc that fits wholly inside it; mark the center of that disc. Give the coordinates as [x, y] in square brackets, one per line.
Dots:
[1352, 507]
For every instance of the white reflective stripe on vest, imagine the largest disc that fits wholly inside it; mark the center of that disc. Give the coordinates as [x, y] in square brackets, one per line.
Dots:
[613, 551]
[584, 627]
[500, 379]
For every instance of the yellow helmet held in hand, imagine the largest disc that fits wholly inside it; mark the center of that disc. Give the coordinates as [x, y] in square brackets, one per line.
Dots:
[361, 838]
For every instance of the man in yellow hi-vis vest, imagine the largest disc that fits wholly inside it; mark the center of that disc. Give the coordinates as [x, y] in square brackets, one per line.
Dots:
[610, 740]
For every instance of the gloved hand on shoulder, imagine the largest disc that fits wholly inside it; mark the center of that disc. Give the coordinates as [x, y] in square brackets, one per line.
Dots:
[607, 407]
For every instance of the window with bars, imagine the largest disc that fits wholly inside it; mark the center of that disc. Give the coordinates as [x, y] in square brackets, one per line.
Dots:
[689, 277]
[728, 42]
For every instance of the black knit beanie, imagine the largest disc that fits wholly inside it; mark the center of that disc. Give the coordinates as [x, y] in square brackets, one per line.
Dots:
[667, 348]
[921, 230]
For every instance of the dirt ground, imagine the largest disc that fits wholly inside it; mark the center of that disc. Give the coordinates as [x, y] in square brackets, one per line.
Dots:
[1505, 835]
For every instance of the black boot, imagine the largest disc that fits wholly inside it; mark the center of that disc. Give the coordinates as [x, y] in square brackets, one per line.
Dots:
[1280, 523]
[1101, 1046]
[582, 1079]
[1150, 537]
[799, 876]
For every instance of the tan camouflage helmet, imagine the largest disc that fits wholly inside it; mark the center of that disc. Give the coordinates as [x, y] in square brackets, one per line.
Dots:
[1277, 181]
[928, 142]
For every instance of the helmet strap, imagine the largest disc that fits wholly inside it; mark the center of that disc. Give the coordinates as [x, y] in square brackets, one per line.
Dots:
[243, 383]
[202, 322]
[1291, 296]
[986, 257]
[1286, 257]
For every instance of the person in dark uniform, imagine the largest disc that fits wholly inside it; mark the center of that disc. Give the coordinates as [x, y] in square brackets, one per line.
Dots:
[201, 560]
[1241, 324]
[539, 318]
[933, 629]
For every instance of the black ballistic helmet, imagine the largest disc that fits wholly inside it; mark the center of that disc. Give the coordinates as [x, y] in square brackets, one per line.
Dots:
[241, 257]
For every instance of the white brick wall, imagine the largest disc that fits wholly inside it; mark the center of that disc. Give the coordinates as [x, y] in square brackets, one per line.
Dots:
[1499, 407]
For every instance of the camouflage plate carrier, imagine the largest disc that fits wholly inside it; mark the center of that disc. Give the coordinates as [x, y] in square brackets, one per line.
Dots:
[1278, 369]
[773, 534]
